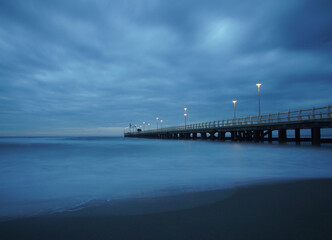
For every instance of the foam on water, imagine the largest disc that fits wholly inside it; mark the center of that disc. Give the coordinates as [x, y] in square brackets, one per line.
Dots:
[40, 175]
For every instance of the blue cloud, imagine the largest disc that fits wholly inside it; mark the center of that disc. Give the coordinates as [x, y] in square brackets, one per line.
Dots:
[92, 66]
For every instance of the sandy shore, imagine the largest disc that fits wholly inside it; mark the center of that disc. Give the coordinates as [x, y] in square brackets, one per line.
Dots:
[289, 210]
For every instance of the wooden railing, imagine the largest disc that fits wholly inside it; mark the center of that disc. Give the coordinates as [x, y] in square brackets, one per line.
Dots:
[286, 117]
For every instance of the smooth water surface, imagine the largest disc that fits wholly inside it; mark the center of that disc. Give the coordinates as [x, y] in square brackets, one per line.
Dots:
[40, 175]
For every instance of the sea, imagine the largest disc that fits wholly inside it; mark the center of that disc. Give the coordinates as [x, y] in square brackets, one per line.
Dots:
[43, 175]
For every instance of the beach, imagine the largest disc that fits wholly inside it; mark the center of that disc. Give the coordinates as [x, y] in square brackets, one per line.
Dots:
[300, 209]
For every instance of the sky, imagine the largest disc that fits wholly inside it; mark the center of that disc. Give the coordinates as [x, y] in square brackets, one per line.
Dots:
[92, 67]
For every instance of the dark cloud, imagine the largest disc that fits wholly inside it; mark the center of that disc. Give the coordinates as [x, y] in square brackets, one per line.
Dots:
[71, 67]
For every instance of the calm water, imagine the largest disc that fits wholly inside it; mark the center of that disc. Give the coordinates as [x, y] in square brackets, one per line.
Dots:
[40, 175]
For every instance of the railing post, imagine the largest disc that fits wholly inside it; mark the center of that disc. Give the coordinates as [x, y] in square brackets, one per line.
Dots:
[288, 115]
[313, 113]
[223, 123]
[269, 117]
[299, 117]
[278, 116]
[329, 111]
[250, 119]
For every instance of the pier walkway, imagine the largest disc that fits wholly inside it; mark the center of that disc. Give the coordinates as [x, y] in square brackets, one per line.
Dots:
[253, 128]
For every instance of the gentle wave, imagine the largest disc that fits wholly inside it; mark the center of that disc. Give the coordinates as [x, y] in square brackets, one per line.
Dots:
[42, 175]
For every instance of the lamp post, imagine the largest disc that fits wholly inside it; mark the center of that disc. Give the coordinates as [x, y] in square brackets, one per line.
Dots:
[149, 125]
[157, 118]
[161, 124]
[259, 100]
[185, 118]
[143, 126]
[234, 102]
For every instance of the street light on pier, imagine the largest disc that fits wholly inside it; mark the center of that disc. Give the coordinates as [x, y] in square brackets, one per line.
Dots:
[157, 118]
[234, 102]
[259, 100]
[161, 124]
[185, 118]
[149, 125]
[143, 126]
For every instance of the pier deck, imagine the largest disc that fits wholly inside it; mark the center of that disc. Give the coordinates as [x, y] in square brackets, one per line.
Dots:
[253, 128]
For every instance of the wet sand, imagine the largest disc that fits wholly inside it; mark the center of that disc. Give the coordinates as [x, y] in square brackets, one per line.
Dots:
[288, 210]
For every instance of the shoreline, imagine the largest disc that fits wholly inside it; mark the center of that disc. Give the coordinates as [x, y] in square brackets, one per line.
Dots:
[294, 209]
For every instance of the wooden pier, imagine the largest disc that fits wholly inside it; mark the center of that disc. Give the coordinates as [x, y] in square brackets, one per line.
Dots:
[254, 128]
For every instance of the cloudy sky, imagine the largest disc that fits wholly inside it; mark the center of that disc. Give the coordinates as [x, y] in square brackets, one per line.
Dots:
[93, 67]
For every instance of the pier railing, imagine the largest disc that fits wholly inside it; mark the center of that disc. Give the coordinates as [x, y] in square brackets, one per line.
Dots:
[280, 117]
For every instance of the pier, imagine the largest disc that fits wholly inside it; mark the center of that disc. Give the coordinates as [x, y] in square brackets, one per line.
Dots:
[269, 127]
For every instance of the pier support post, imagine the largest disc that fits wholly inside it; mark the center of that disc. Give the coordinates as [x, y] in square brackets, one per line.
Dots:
[256, 135]
[233, 135]
[212, 137]
[203, 135]
[270, 136]
[246, 135]
[315, 135]
[194, 136]
[221, 136]
[239, 135]
[282, 135]
[261, 135]
[249, 135]
[297, 136]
